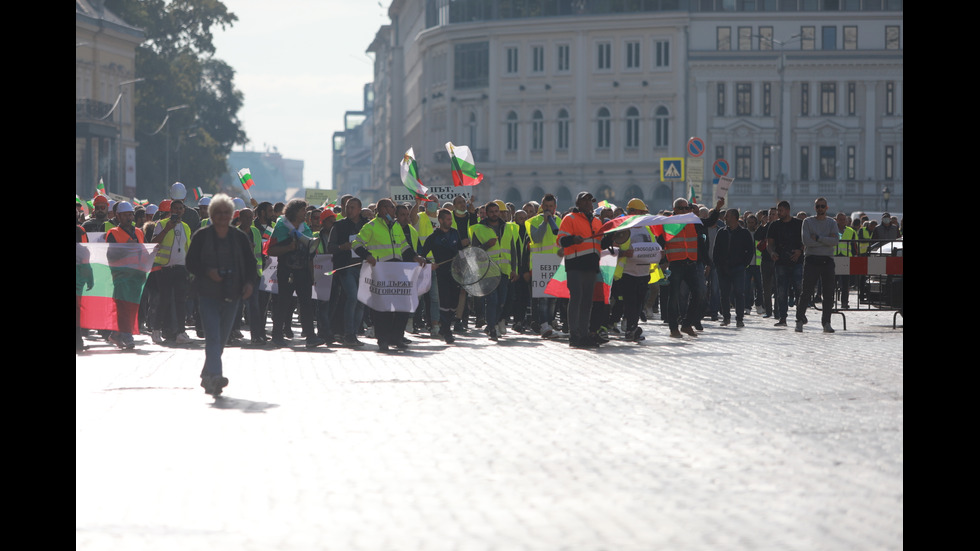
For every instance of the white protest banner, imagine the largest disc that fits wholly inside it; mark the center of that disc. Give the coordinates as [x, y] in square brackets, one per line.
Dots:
[96, 236]
[393, 286]
[647, 253]
[322, 263]
[269, 283]
[543, 268]
[724, 183]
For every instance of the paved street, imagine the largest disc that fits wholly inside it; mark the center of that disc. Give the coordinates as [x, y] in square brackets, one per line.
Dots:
[742, 439]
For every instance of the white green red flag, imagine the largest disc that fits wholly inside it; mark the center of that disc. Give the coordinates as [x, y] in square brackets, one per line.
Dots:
[558, 286]
[606, 205]
[462, 167]
[109, 279]
[410, 176]
[198, 193]
[693, 198]
[245, 175]
[639, 220]
[99, 189]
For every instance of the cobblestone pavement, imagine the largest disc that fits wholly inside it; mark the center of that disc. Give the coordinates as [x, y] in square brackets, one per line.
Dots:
[756, 438]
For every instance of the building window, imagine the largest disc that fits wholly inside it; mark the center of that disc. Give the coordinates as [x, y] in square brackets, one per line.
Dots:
[471, 64]
[893, 35]
[743, 162]
[766, 162]
[828, 163]
[804, 163]
[719, 152]
[743, 99]
[472, 128]
[889, 162]
[828, 98]
[512, 131]
[562, 129]
[602, 128]
[632, 55]
[805, 99]
[721, 99]
[564, 61]
[512, 61]
[724, 39]
[767, 99]
[745, 38]
[662, 53]
[851, 162]
[765, 38]
[890, 98]
[828, 38]
[661, 127]
[604, 56]
[808, 38]
[537, 59]
[851, 98]
[632, 127]
[850, 38]
[537, 131]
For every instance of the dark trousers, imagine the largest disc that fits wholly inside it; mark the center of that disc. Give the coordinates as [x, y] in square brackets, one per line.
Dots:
[300, 282]
[753, 286]
[389, 327]
[732, 283]
[814, 268]
[580, 284]
[788, 277]
[171, 287]
[684, 271]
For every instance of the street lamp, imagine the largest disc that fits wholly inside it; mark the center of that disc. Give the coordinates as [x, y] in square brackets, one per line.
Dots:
[119, 132]
[783, 104]
[166, 170]
[886, 194]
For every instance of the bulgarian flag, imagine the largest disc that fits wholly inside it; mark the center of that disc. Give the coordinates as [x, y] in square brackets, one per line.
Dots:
[198, 193]
[245, 175]
[109, 279]
[463, 170]
[99, 189]
[606, 205]
[693, 198]
[410, 176]
[639, 220]
[558, 286]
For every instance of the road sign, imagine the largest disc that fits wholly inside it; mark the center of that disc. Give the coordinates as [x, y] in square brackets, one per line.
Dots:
[695, 147]
[695, 171]
[720, 168]
[671, 169]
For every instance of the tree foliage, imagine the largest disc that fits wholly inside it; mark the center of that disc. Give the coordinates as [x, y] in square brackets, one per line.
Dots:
[177, 60]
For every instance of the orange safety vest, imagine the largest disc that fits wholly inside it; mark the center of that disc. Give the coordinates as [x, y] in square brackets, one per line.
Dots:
[683, 245]
[577, 224]
[121, 236]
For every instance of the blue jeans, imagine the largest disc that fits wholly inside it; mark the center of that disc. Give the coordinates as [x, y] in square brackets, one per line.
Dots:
[322, 309]
[786, 277]
[353, 308]
[495, 302]
[753, 282]
[217, 318]
[544, 309]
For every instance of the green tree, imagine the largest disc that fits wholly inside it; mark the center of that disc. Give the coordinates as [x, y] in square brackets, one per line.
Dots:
[177, 60]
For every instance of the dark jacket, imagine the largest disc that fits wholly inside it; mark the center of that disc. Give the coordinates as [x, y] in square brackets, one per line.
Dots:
[733, 249]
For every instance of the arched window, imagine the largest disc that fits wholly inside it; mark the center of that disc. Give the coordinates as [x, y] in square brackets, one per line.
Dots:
[602, 128]
[661, 127]
[512, 131]
[632, 127]
[537, 131]
[562, 129]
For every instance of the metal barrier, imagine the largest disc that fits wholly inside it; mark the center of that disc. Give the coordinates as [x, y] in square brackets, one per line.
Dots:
[881, 277]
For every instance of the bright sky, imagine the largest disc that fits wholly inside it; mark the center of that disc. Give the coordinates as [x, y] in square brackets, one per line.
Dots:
[300, 64]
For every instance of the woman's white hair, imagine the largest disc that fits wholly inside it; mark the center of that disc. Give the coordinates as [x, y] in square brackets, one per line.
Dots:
[220, 201]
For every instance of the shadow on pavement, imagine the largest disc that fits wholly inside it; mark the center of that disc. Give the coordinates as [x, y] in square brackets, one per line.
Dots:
[246, 406]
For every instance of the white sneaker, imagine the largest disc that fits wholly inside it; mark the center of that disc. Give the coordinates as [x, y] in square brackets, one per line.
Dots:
[157, 336]
[546, 330]
[501, 327]
[182, 338]
[435, 331]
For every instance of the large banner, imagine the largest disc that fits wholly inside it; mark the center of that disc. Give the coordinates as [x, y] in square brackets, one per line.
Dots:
[393, 286]
[269, 283]
[109, 279]
[543, 268]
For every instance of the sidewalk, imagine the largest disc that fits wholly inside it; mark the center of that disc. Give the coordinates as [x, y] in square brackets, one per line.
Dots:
[757, 438]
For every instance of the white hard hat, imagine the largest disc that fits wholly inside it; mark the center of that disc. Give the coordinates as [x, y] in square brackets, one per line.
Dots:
[177, 191]
[124, 206]
[205, 201]
[239, 203]
[151, 210]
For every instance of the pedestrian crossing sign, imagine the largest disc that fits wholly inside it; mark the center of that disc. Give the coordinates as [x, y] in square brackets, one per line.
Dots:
[671, 168]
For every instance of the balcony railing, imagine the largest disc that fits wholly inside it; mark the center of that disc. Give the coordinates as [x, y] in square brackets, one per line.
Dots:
[88, 109]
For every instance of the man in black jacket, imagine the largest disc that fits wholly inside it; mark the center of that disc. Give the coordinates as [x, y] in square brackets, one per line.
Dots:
[734, 249]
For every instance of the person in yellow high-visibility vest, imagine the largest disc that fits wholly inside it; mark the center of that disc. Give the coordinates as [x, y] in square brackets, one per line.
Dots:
[496, 237]
[542, 232]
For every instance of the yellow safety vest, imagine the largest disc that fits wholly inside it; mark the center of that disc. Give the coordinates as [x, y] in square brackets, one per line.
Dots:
[383, 242]
[166, 246]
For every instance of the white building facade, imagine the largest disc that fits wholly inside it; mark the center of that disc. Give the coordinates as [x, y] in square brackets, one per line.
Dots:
[559, 96]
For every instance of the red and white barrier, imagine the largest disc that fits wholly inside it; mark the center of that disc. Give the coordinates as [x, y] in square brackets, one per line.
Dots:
[868, 265]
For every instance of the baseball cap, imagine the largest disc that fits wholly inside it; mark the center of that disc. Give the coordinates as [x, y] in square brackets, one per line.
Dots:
[584, 194]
